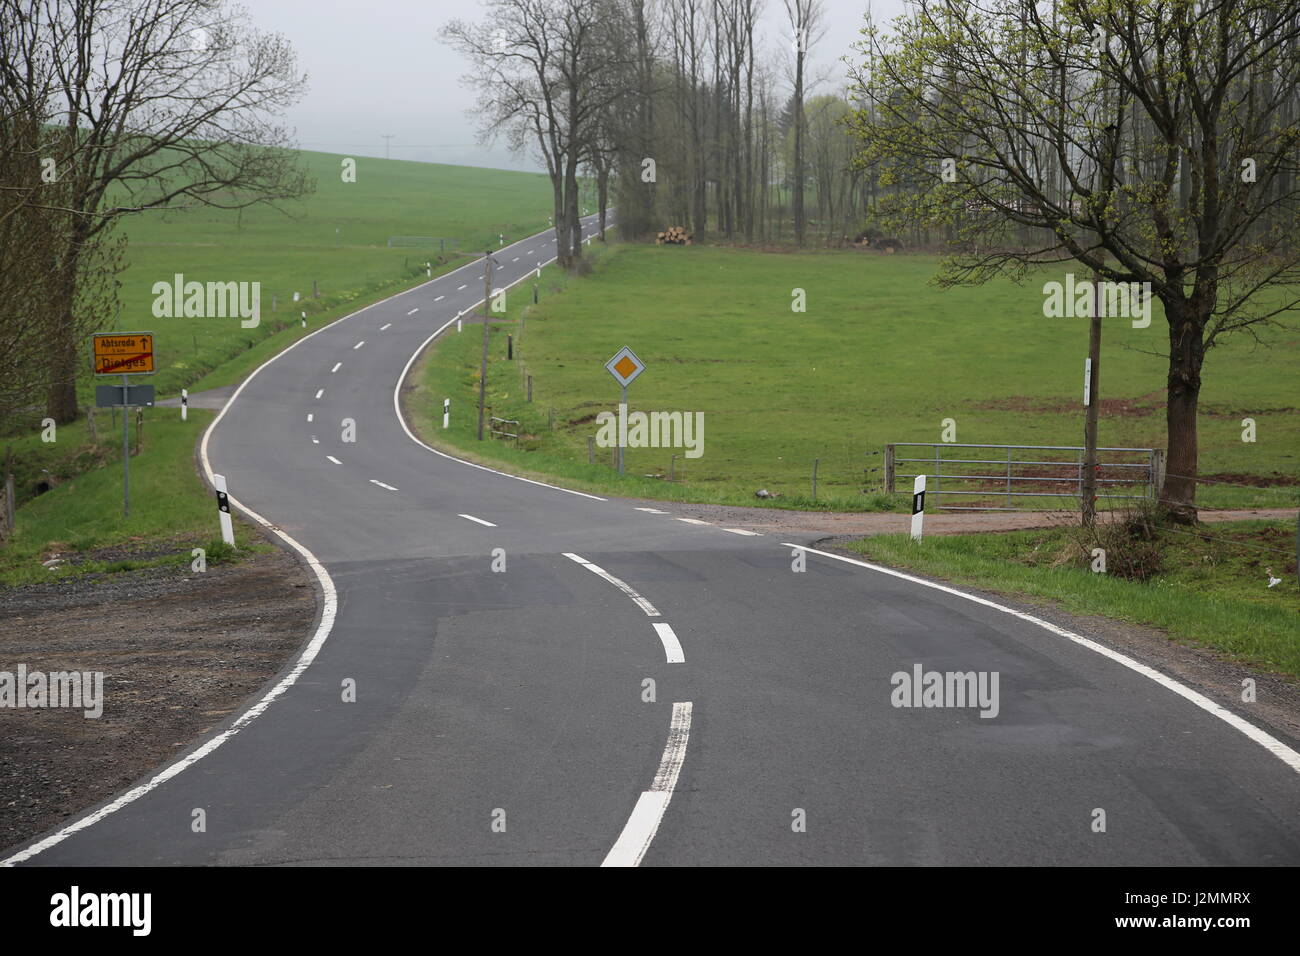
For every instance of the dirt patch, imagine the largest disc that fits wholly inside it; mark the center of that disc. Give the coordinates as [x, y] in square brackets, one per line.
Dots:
[179, 653]
[1257, 481]
[777, 521]
[1139, 407]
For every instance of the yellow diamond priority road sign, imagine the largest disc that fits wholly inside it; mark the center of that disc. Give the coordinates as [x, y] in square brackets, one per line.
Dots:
[625, 366]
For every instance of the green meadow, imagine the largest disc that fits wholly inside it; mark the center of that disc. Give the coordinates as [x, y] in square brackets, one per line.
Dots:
[337, 236]
[881, 355]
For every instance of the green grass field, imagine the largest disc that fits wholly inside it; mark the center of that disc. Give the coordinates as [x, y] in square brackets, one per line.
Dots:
[337, 236]
[880, 356]
[1211, 592]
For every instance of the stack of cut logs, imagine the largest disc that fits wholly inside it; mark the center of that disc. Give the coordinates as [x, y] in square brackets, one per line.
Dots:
[673, 236]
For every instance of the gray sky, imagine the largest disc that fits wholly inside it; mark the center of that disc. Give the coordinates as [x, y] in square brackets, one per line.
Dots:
[378, 67]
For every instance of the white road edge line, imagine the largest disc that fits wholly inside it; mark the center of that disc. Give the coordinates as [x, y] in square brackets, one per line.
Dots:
[672, 647]
[695, 521]
[643, 824]
[487, 524]
[752, 534]
[653, 511]
[397, 407]
[374, 481]
[1270, 743]
[329, 607]
[650, 609]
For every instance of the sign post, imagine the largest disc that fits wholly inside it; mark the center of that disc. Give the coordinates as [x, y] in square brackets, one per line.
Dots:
[127, 354]
[624, 367]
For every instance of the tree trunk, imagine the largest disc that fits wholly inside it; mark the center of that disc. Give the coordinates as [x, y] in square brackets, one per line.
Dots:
[1186, 354]
[61, 400]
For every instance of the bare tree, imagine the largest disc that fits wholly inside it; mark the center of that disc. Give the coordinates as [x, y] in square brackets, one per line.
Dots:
[154, 103]
[805, 22]
[546, 70]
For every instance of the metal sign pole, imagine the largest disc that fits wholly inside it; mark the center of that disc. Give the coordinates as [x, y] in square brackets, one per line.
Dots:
[621, 449]
[126, 451]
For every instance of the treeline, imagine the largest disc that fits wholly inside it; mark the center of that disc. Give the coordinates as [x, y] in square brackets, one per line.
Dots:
[683, 112]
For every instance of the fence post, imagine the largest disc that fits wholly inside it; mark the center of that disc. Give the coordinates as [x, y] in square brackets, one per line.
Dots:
[530, 388]
[889, 469]
[1010, 449]
[591, 449]
[1157, 473]
[672, 468]
[814, 483]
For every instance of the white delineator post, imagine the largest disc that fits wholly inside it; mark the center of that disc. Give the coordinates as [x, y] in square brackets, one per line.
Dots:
[185, 403]
[918, 506]
[223, 510]
[446, 412]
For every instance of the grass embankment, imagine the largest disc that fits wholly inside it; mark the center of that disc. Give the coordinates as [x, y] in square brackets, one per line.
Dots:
[880, 356]
[337, 236]
[1211, 589]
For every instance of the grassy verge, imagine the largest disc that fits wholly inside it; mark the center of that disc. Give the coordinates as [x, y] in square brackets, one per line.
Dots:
[81, 518]
[69, 491]
[1210, 591]
[553, 427]
[879, 356]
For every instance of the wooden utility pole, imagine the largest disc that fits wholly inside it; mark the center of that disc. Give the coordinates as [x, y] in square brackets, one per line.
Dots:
[1088, 488]
[487, 305]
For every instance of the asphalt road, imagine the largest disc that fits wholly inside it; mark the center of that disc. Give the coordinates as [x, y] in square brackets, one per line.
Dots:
[502, 717]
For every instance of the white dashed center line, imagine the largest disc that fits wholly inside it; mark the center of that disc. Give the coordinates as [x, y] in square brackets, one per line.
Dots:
[310, 416]
[413, 311]
[383, 327]
[440, 298]
[320, 392]
[643, 824]
[459, 287]
[337, 366]
[487, 524]
[672, 649]
[333, 459]
[642, 603]
[358, 345]
[315, 440]
[382, 485]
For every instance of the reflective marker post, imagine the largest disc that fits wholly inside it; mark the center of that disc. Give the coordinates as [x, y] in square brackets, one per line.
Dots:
[223, 510]
[918, 506]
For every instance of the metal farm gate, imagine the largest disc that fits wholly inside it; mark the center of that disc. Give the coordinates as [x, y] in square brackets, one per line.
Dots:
[995, 477]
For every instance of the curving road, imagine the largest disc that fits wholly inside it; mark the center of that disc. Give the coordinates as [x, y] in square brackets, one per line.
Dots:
[501, 717]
